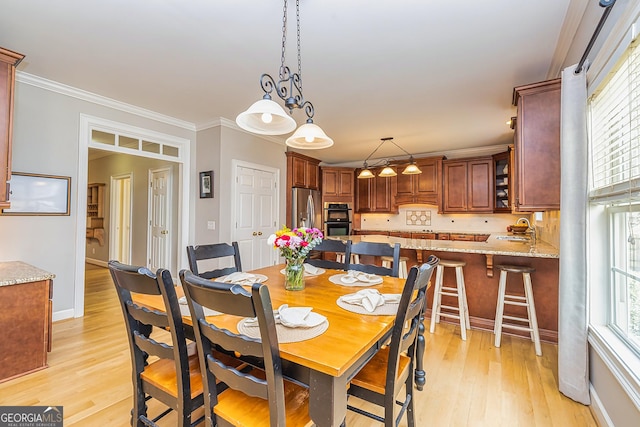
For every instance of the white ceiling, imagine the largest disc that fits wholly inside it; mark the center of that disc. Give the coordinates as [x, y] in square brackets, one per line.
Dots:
[437, 76]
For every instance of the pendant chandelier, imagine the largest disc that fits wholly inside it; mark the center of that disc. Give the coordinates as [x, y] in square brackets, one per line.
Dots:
[388, 171]
[266, 117]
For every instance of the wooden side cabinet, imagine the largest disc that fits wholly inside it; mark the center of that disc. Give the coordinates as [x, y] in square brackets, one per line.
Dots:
[468, 185]
[95, 212]
[302, 171]
[537, 147]
[8, 62]
[337, 184]
[25, 318]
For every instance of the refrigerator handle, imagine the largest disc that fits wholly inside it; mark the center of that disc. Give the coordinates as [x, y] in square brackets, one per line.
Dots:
[310, 211]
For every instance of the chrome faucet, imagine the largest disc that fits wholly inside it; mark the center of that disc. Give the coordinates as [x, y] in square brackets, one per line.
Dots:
[532, 230]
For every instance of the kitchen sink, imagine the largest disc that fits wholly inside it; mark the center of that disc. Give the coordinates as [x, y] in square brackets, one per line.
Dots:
[513, 238]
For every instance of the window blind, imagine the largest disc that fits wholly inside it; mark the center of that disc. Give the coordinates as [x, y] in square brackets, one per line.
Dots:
[615, 131]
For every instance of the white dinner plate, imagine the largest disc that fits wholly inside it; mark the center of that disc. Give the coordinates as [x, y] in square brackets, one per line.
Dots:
[337, 279]
[258, 278]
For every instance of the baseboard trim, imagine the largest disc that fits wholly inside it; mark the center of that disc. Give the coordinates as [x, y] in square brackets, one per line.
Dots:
[97, 262]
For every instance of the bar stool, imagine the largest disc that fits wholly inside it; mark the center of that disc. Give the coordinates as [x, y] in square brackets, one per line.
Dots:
[402, 270]
[518, 300]
[461, 312]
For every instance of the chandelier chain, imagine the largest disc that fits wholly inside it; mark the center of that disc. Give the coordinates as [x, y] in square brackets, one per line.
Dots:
[284, 40]
[299, 55]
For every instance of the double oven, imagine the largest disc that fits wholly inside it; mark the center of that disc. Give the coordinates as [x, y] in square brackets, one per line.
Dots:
[337, 219]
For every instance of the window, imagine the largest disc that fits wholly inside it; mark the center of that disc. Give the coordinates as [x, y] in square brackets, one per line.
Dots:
[615, 185]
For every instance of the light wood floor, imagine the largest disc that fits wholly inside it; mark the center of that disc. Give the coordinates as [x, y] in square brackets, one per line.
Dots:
[469, 383]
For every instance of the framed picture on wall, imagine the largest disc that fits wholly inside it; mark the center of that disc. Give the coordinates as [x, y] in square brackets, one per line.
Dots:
[34, 194]
[206, 185]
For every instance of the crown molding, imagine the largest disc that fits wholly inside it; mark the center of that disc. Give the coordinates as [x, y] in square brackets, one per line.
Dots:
[231, 124]
[83, 95]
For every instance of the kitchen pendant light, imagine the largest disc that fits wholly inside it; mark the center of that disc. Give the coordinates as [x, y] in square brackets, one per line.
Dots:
[266, 117]
[412, 168]
[388, 171]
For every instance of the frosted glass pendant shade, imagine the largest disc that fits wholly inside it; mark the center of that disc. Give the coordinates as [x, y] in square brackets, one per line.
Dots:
[309, 137]
[411, 169]
[266, 117]
[365, 174]
[387, 171]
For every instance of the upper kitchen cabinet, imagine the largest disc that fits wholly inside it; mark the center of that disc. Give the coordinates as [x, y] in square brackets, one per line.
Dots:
[503, 182]
[337, 184]
[375, 195]
[537, 147]
[468, 185]
[421, 188]
[302, 171]
[8, 62]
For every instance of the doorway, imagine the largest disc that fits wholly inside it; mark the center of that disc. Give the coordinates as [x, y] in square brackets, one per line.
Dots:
[159, 232]
[120, 224]
[256, 213]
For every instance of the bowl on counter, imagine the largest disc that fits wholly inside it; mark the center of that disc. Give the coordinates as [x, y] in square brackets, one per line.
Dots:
[519, 228]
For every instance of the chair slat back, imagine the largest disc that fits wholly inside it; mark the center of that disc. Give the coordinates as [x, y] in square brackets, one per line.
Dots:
[333, 246]
[235, 300]
[141, 322]
[377, 250]
[410, 311]
[214, 251]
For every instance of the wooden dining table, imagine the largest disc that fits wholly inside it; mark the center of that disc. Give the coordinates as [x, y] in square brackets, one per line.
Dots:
[329, 361]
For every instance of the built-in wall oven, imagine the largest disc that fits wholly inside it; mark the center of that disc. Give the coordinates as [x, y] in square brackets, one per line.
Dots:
[337, 219]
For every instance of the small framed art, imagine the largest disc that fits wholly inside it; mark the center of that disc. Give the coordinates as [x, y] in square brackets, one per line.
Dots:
[206, 185]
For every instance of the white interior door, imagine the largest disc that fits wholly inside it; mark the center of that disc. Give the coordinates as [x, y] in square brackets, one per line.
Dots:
[120, 230]
[159, 247]
[255, 216]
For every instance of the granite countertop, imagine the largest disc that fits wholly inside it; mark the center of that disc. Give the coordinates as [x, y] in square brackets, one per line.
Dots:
[16, 272]
[493, 245]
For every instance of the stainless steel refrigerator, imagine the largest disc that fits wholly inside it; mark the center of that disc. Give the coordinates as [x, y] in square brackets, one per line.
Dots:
[306, 207]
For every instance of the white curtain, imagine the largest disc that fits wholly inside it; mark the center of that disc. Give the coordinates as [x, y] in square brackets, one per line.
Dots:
[573, 363]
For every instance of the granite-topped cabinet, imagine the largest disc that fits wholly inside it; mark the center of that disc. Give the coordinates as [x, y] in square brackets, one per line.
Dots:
[25, 318]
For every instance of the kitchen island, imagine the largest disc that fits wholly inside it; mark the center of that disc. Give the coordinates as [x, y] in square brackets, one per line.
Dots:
[481, 283]
[25, 318]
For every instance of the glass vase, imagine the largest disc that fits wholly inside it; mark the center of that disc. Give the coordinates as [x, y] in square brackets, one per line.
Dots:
[294, 275]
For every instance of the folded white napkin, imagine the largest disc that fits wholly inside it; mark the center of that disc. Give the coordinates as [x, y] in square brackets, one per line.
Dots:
[311, 269]
[292, 317]
[353, 276]
[239, 278]
[370, 299]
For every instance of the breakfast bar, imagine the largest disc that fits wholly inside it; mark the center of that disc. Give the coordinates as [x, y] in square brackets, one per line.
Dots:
[481, 282]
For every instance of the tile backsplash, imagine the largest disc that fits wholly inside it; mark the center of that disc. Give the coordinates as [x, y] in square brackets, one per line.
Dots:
[422, 217]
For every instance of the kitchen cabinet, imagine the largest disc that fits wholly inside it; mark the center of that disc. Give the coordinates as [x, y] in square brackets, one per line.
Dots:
[468, 185]
[537, 147]
[302, 171]
[403, 234]
[443, 236]
[462, 237]
[421, 188]
[375, 195]
[426, 236]
[8, 62]
[25, 318]
[503, 181]
[337, 184]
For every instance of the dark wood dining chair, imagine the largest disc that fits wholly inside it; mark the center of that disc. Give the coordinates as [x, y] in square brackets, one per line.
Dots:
[173, 376]
[210, 252]
[377, 250]
[256, 397]
[391, 370]
[340, 248]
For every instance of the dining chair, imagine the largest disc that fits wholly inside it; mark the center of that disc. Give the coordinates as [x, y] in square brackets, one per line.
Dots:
[391, 370]
[173, 375]
[210, 252]
[341, 248]
[377, 250]
[254, 397]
